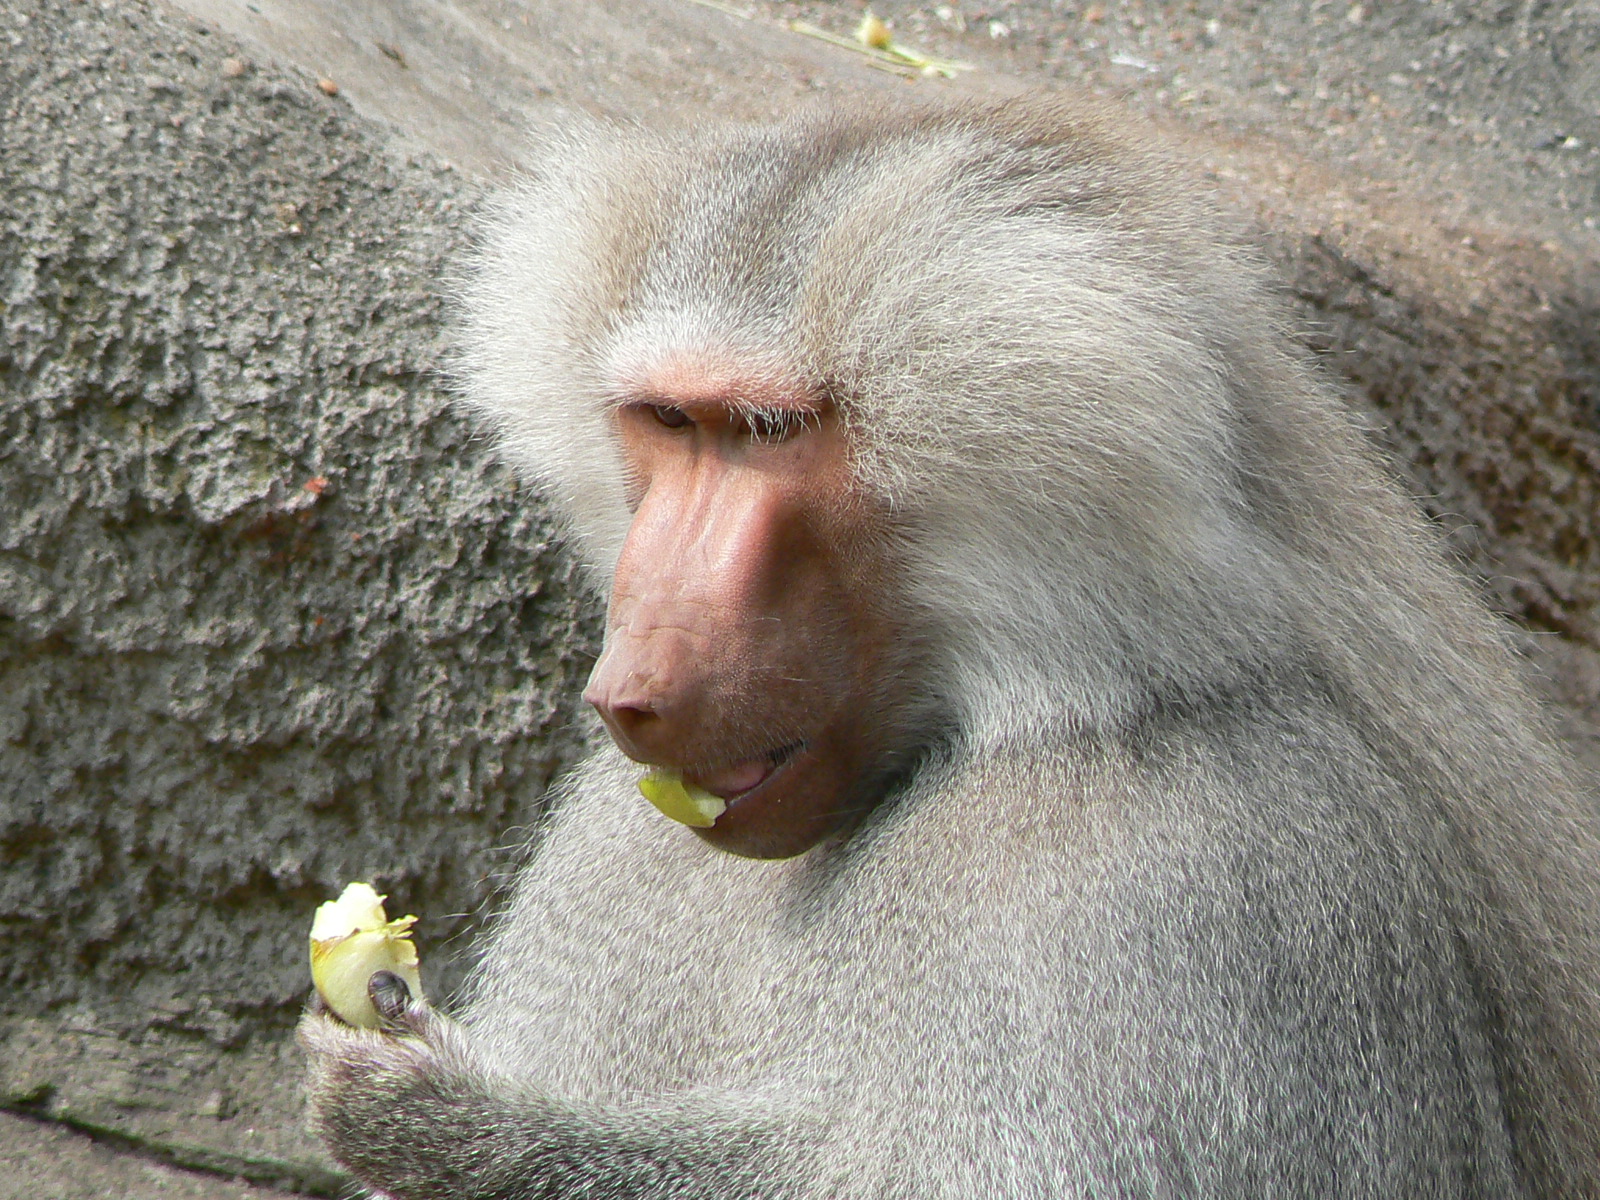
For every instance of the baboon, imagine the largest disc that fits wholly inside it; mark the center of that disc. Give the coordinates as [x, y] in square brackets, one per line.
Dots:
[1121, 796]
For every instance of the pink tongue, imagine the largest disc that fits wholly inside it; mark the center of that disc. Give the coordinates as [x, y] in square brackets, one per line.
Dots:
[730, 783]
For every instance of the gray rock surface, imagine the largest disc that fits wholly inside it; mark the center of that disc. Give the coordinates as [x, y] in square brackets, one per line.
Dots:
[45, 1161]
[1487, 108]
[271, 618]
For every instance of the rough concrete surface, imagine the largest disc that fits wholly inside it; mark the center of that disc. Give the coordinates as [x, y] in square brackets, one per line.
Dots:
[271, 618]
[45, 1161]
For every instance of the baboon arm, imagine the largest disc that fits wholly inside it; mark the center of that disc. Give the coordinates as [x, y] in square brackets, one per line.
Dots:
[412, 1116]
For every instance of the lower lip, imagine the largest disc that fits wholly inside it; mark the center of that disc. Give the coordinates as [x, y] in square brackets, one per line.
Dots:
[784, 757]
[757, 771]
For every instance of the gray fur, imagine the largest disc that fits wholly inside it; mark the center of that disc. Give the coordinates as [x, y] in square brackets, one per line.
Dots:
[1238, 862]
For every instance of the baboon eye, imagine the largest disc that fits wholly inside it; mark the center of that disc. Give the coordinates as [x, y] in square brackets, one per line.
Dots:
[669, 415]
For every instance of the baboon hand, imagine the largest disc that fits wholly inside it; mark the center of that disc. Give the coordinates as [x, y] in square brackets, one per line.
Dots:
[371, 1089]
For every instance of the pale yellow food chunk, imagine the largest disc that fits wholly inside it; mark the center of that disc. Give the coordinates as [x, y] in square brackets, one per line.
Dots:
[351, 940]
[683, 802]
[873, 32]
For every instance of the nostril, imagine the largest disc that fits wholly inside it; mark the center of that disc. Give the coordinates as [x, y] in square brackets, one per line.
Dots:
[625, 700]
[636, 702]
[627, 716]
[629, 721]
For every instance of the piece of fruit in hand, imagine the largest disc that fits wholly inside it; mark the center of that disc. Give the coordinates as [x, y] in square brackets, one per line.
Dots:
[352, 939]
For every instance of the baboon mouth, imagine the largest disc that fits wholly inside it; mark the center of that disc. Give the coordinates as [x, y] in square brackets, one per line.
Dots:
[736, 782]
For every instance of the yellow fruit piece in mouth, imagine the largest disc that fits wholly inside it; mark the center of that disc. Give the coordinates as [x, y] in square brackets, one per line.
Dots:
[683, 802]
[352, 939]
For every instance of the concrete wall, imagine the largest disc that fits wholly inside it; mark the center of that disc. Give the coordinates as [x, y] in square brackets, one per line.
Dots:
[270, 618]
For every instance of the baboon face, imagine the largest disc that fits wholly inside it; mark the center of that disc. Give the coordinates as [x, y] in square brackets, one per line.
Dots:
[747, 631]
